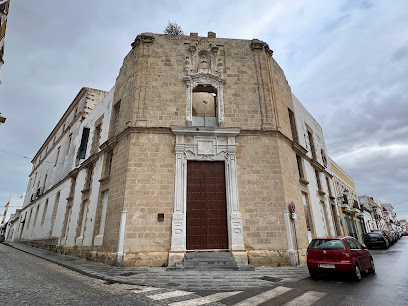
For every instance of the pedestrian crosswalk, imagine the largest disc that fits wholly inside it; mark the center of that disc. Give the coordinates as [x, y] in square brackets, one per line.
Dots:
[279, 295]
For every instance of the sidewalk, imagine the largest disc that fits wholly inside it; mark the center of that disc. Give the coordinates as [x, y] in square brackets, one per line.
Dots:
[185, 280]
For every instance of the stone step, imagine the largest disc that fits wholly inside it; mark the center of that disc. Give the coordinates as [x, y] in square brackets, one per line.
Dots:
[203, 261]
[195, 255]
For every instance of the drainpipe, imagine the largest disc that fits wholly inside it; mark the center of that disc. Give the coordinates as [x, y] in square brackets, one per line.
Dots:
[289, 238]
[119, 254]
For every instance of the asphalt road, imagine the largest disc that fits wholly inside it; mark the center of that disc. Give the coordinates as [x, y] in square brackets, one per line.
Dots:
[28, 280]
[389, 286]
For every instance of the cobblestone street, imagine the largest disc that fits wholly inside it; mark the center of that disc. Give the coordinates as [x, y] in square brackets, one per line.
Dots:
[28, 280]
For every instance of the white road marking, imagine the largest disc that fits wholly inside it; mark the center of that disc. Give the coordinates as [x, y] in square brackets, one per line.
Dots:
[207, 299]
[145, 289]
[264, 296]
[168, 295]
[306, 299]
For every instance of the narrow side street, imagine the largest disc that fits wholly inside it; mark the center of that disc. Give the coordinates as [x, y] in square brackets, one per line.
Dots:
[29, 280]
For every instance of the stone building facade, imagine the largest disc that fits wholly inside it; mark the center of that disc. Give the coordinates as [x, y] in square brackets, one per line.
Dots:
[195, 152]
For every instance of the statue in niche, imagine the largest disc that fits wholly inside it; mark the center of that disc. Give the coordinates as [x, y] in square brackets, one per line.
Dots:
[203, 65]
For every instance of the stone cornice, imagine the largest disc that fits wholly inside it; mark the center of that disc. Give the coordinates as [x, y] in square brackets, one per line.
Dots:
[205, 131]
[299, 149]
[317, 166]
[144, 37]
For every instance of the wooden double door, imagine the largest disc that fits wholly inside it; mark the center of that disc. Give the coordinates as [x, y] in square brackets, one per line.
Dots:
[206, 206]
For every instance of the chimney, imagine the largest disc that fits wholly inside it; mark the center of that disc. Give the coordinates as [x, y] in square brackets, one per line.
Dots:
[193, 34]
[212, 35]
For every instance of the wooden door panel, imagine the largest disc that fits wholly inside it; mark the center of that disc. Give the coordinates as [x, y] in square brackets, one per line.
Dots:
[196, 218]
[206, 206]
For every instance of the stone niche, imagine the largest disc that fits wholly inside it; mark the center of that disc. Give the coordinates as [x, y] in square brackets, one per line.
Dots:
[204, 69]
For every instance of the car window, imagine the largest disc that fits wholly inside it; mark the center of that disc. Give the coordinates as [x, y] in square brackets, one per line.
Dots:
[352, 244]
[326, 244]
[359, 245]
[374, 235]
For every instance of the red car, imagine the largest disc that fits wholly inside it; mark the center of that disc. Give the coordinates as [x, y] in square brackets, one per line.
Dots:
[343, 254]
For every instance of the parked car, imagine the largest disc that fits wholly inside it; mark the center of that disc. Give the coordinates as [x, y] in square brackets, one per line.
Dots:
[376, 240]
[386, 234]
[338, 254]
[405, 233]
[2, 238]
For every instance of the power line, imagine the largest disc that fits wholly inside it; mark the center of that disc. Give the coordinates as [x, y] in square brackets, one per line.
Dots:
[330, 144]
[15, 154]
[401, 202]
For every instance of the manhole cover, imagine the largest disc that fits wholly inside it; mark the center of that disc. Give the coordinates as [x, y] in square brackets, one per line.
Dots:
[271, 279]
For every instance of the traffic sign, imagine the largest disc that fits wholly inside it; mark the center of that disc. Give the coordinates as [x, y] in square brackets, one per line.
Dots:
[292, 207]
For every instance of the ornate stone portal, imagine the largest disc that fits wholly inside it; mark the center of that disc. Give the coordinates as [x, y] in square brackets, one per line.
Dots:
[206, 144]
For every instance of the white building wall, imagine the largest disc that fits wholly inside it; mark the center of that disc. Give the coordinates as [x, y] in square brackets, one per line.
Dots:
[304, 119]
[67, 162]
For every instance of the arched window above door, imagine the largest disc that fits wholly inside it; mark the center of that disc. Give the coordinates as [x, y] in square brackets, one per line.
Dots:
[204, 101]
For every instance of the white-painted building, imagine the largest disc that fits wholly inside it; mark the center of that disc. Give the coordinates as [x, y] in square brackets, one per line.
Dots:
[390, 217]
[368, 205]
[316, 181]
[14, 203]
[60, 174]
[350, 211]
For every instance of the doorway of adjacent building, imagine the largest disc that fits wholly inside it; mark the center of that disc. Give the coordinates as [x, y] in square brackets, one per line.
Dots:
[206, 206]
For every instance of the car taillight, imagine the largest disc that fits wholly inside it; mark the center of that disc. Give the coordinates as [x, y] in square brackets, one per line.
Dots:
[380, 235]
[345, 255]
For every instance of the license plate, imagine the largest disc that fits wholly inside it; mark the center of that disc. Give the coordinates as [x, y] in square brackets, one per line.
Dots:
[373, 239]
[326, 266]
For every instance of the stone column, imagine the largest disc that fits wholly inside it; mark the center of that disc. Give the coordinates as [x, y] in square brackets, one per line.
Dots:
[189, 110]
[236, 238]
[122, 226]
[220, 106]
[178, 225]
[289, 238]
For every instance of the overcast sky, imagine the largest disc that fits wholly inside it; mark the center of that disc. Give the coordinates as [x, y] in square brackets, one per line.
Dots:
[346, 61]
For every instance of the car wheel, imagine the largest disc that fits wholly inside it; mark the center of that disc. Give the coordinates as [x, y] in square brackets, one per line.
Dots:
[372, 268]
[357, 273]
[313, 274]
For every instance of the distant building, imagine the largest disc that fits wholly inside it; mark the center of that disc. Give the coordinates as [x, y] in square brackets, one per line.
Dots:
[321, 213]
[12, 225]
[14, 203]
[404, 225]
[390, 217]
[351, 214]
[368, 204]
[4, 10]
